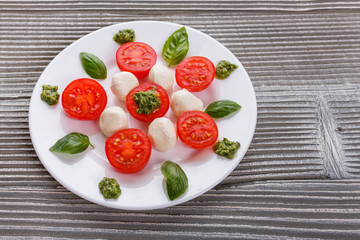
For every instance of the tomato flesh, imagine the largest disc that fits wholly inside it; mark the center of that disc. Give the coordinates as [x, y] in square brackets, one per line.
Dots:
[136, 57]
[128, 150]
[197, 129]
[195, 73]
[84, 99]
[159, 112]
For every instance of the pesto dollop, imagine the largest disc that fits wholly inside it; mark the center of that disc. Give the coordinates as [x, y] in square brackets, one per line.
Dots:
[147, 101]
[109, 188]
[226, 148]
[124, 36]
[224, 68]
[49, 94]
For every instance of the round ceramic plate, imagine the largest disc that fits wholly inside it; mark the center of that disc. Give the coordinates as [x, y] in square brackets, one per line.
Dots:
[82, 172]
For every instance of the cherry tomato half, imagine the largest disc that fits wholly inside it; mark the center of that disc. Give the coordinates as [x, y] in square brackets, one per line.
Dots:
[197, 129]
[136, 57]
[128, 150]
[160, 92]
[195, 73]
[84, 99]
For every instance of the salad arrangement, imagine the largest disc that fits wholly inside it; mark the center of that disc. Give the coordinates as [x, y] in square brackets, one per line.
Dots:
[129, 149]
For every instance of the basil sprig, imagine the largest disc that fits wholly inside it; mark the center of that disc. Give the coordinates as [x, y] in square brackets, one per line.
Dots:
[176, 47]
[222, 108]
[176, 180]
[93, 66]
[72, 143]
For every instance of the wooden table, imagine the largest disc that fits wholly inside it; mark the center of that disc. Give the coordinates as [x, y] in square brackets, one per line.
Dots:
[300, 176]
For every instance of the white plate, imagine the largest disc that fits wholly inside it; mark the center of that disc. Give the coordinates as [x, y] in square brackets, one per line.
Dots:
[144, 190]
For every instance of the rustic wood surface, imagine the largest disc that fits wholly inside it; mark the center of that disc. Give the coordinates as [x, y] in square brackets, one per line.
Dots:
[300, 176]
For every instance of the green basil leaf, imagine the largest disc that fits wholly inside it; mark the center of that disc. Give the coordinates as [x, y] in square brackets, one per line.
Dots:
[176, 47]
[222, 108]
[176, 180]
[93, 66]
[72, 143]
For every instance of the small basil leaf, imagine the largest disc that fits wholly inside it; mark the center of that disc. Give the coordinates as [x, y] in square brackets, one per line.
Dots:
[176, 47]
[93, 66]
[176, 180]
[72, 143]
[222, 108]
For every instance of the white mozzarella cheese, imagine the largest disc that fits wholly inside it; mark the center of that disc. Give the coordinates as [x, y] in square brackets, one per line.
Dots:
[112, 119]
[183, 100]
[161, 75]
[162, 134]
[122, 83]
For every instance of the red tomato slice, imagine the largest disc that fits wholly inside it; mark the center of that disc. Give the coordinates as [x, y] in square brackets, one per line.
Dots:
[195, 73]
[84, 99]
[136, 57]
[128, 150]
[160, 92]
[197, 129]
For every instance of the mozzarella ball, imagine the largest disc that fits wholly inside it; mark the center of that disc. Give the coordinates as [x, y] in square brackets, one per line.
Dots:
[161, 75]
[112, 119]
[122, 83]
[183, 100]
[162, 134]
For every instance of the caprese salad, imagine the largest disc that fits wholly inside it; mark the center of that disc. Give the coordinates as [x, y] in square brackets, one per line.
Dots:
[129, 149]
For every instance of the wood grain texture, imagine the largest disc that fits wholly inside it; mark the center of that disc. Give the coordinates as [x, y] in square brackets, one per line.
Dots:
[345, 110]
[176, 5]
[260, 210]
[300, 177]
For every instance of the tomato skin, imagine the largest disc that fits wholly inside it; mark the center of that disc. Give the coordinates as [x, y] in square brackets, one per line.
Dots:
[197, 129]
[159, 112]
[128, 150]
[84, 99]
[195, 73]
[136, 57]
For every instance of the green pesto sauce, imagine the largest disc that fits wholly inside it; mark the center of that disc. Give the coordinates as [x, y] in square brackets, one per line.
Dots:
[224, 69]
[124, 36]
[147, 101]
[49, 94]
[109, 188]
[226, 148]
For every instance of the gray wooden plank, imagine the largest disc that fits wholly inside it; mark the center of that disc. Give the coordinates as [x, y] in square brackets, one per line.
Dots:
[280, 51]
[175, 5]
[322, 209]
[345, 111]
